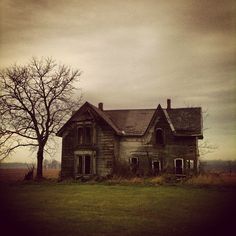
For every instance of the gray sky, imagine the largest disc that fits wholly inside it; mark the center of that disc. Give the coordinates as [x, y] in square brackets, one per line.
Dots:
[136, 54]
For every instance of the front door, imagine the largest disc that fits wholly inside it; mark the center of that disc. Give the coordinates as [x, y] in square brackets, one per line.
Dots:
[179, 166]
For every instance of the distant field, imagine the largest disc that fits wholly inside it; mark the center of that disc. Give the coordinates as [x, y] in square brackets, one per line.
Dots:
[11, 175]
[98, 209]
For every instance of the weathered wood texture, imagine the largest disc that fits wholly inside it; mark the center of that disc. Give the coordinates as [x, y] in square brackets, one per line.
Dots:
[106, 150]
[109, 148]
[146, 149]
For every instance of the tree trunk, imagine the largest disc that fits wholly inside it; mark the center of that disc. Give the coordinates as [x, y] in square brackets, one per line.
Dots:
[40, 163]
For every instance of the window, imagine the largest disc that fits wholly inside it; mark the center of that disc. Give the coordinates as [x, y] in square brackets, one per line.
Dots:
[88, 136]
[156, 167]
[190, 165]
[83, 165]
[159, 136]
[134, 164]
[179, 164]
[84, 135]
[80, 165]
[80, 135]
[87, 164]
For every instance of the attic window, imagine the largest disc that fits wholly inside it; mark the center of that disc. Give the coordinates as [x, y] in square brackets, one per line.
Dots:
[159, 136]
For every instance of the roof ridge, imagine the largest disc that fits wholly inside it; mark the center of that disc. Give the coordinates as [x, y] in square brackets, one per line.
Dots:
[132, 109]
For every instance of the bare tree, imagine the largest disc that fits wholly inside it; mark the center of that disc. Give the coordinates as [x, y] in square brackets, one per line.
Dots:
[35, 100]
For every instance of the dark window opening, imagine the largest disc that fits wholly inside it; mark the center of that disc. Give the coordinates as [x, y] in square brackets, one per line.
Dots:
[88, 136]
[179, 166]
[134, 164]
[80, 165]
[87, 164]
[84, 135]
[156, 166]
[159, 137]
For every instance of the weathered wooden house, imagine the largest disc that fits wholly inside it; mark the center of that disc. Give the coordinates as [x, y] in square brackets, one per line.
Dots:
[148, 141]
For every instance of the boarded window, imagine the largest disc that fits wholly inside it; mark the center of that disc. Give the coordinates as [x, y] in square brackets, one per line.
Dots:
[159, 136]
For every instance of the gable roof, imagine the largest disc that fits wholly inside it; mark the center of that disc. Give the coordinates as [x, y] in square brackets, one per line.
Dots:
[135, 122]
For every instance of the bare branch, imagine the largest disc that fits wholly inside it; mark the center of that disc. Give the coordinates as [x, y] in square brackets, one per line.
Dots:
[35, 101]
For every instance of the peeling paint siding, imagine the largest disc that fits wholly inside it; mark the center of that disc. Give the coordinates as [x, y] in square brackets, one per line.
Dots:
[106, 150]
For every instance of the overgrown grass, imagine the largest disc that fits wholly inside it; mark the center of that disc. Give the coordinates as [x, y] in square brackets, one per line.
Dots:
[98, 209]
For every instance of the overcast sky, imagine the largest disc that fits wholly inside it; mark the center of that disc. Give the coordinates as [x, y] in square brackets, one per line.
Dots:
[136, 54]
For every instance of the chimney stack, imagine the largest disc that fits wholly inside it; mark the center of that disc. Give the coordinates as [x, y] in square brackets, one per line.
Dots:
[100, 106]
[168, 103]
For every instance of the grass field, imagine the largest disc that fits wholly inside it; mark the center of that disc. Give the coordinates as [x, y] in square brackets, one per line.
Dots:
[98, 209]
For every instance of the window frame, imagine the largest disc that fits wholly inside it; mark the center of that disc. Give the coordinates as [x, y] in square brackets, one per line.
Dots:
[82, 135]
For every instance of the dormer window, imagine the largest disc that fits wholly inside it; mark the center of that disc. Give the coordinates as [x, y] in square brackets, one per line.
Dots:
[159, 137]
[84, 135]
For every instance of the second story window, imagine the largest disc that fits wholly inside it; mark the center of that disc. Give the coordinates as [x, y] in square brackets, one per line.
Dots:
[84, 135]
[159, 136]
[80, 135]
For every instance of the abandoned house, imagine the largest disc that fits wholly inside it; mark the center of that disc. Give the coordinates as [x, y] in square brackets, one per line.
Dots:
[146, 141]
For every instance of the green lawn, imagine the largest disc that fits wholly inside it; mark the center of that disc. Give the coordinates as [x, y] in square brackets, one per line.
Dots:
[84, 209]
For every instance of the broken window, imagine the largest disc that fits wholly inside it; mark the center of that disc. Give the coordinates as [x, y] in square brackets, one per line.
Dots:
[159, 136]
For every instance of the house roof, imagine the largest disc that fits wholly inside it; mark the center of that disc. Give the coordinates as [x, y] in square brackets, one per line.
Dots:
[135, 122]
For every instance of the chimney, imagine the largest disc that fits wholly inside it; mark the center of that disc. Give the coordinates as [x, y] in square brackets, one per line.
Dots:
[168, 103]
[100, 106]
